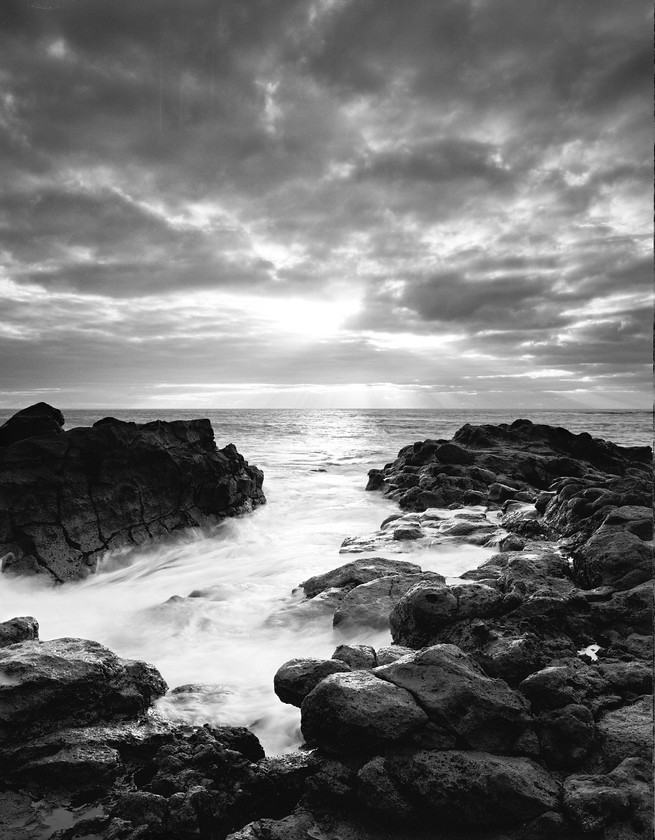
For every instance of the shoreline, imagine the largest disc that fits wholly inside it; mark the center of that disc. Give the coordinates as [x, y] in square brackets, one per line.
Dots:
[519, 588]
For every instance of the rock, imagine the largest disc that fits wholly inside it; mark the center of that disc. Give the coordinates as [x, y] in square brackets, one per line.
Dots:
[483, 713]
[49, 685]
[458, 788]
[561, 685]
[349, 713]
[566, 735]
[390, 653]
[85, 769]
[429, 606]
[511, 658]
[501, 492]
[357, 572]
[65, 498]
[369, 604]
[21, 629]
[296, 678]
[627, 732]
[407, 533]
[592, 802]
[614, 558]
[359, 657]
[37, 420]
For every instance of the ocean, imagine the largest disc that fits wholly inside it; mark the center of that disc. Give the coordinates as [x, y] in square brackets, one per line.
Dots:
[230, 644]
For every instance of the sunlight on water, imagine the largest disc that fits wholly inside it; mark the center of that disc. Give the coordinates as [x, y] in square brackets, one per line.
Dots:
[241, 624]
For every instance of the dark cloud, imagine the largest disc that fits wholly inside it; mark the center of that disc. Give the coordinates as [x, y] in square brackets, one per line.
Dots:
[468, 168]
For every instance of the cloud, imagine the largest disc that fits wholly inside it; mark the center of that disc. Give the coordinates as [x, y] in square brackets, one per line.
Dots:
[469, 168]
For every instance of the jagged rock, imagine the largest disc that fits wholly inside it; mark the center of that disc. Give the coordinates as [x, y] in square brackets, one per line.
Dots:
[561, 685]
[615, 558]
[49, 685]
[67, 497]
[458, 788]
[483, 713]
[35, 421]
[369, 604]
[355, 712]
[20, 629]
[389, 653]
[296, 678]
[357, 572]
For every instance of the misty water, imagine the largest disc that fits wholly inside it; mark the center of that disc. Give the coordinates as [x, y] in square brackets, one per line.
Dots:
[244, 620]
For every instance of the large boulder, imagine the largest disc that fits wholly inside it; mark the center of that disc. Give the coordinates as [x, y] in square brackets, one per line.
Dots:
[615, 558]
[66, 497]
[429, 606]
[355, 573]
[34, 421]
[369, 604]
[355, 712]
[458, 697]
[20, 629]
[456, 787]
[49, 685]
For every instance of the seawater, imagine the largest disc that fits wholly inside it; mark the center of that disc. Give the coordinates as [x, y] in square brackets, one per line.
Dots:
[315, 464]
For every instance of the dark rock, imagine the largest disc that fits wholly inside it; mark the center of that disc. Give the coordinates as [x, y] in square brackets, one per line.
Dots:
[37, 420]
[68, 497]
[592, 802]
[566, 736]
[458, 788]
[429, 606]
[408, 533]
[349, 713]
[483, 713]
[357, 572]
[20, 629]
[627, 732]
[48, 685]
[561, 685]
[614, 558]
[359, 657]
[389, 653]
[296, 678]
[369, 604]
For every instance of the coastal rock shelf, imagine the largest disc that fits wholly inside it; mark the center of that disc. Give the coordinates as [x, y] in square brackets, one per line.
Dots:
[519, 698]
[68, 496]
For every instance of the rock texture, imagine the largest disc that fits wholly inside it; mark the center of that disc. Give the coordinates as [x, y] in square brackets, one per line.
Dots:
[66, 497]
[518, 700]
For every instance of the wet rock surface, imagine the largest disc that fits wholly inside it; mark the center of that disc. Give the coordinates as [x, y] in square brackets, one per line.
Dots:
[68, 496]
[514, 703]
[526, 685]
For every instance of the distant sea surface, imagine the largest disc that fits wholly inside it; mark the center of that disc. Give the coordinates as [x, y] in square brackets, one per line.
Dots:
[315, 464]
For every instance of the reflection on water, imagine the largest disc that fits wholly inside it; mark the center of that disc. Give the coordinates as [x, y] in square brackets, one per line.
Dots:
[227, 641]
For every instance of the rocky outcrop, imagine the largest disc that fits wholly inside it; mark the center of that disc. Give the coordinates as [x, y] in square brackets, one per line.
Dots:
[79, 748]
[68, 496]
[518, 699]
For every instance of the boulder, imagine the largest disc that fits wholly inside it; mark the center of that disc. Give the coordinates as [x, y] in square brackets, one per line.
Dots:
[561, 685]
[483, 713]
[359, 657]
[460, 788]
[37, 420]
[296, 678]
[429, 606]
[20, 629]
[49, 685]
[357, 572]
[592, 802]
[615, 558]
[355, 712]
[627, 732]
[567, 736]
[369, 604]
[66, 498]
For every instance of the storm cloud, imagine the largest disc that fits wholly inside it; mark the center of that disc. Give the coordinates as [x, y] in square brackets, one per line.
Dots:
[418, 200]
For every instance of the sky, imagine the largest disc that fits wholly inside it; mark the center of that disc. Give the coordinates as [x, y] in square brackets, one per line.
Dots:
[326, 203]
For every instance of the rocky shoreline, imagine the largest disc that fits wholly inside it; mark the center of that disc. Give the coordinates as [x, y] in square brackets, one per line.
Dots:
[514, 703]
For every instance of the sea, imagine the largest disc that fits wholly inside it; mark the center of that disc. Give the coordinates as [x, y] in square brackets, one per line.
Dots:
[228, 645]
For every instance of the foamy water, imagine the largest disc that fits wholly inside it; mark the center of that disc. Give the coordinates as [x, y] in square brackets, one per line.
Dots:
[246, 622]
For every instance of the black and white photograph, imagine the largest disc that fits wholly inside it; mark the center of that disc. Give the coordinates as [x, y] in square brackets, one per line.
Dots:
[326, 419]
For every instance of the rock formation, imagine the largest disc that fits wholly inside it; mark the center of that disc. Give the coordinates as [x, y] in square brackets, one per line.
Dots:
[68, 496]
